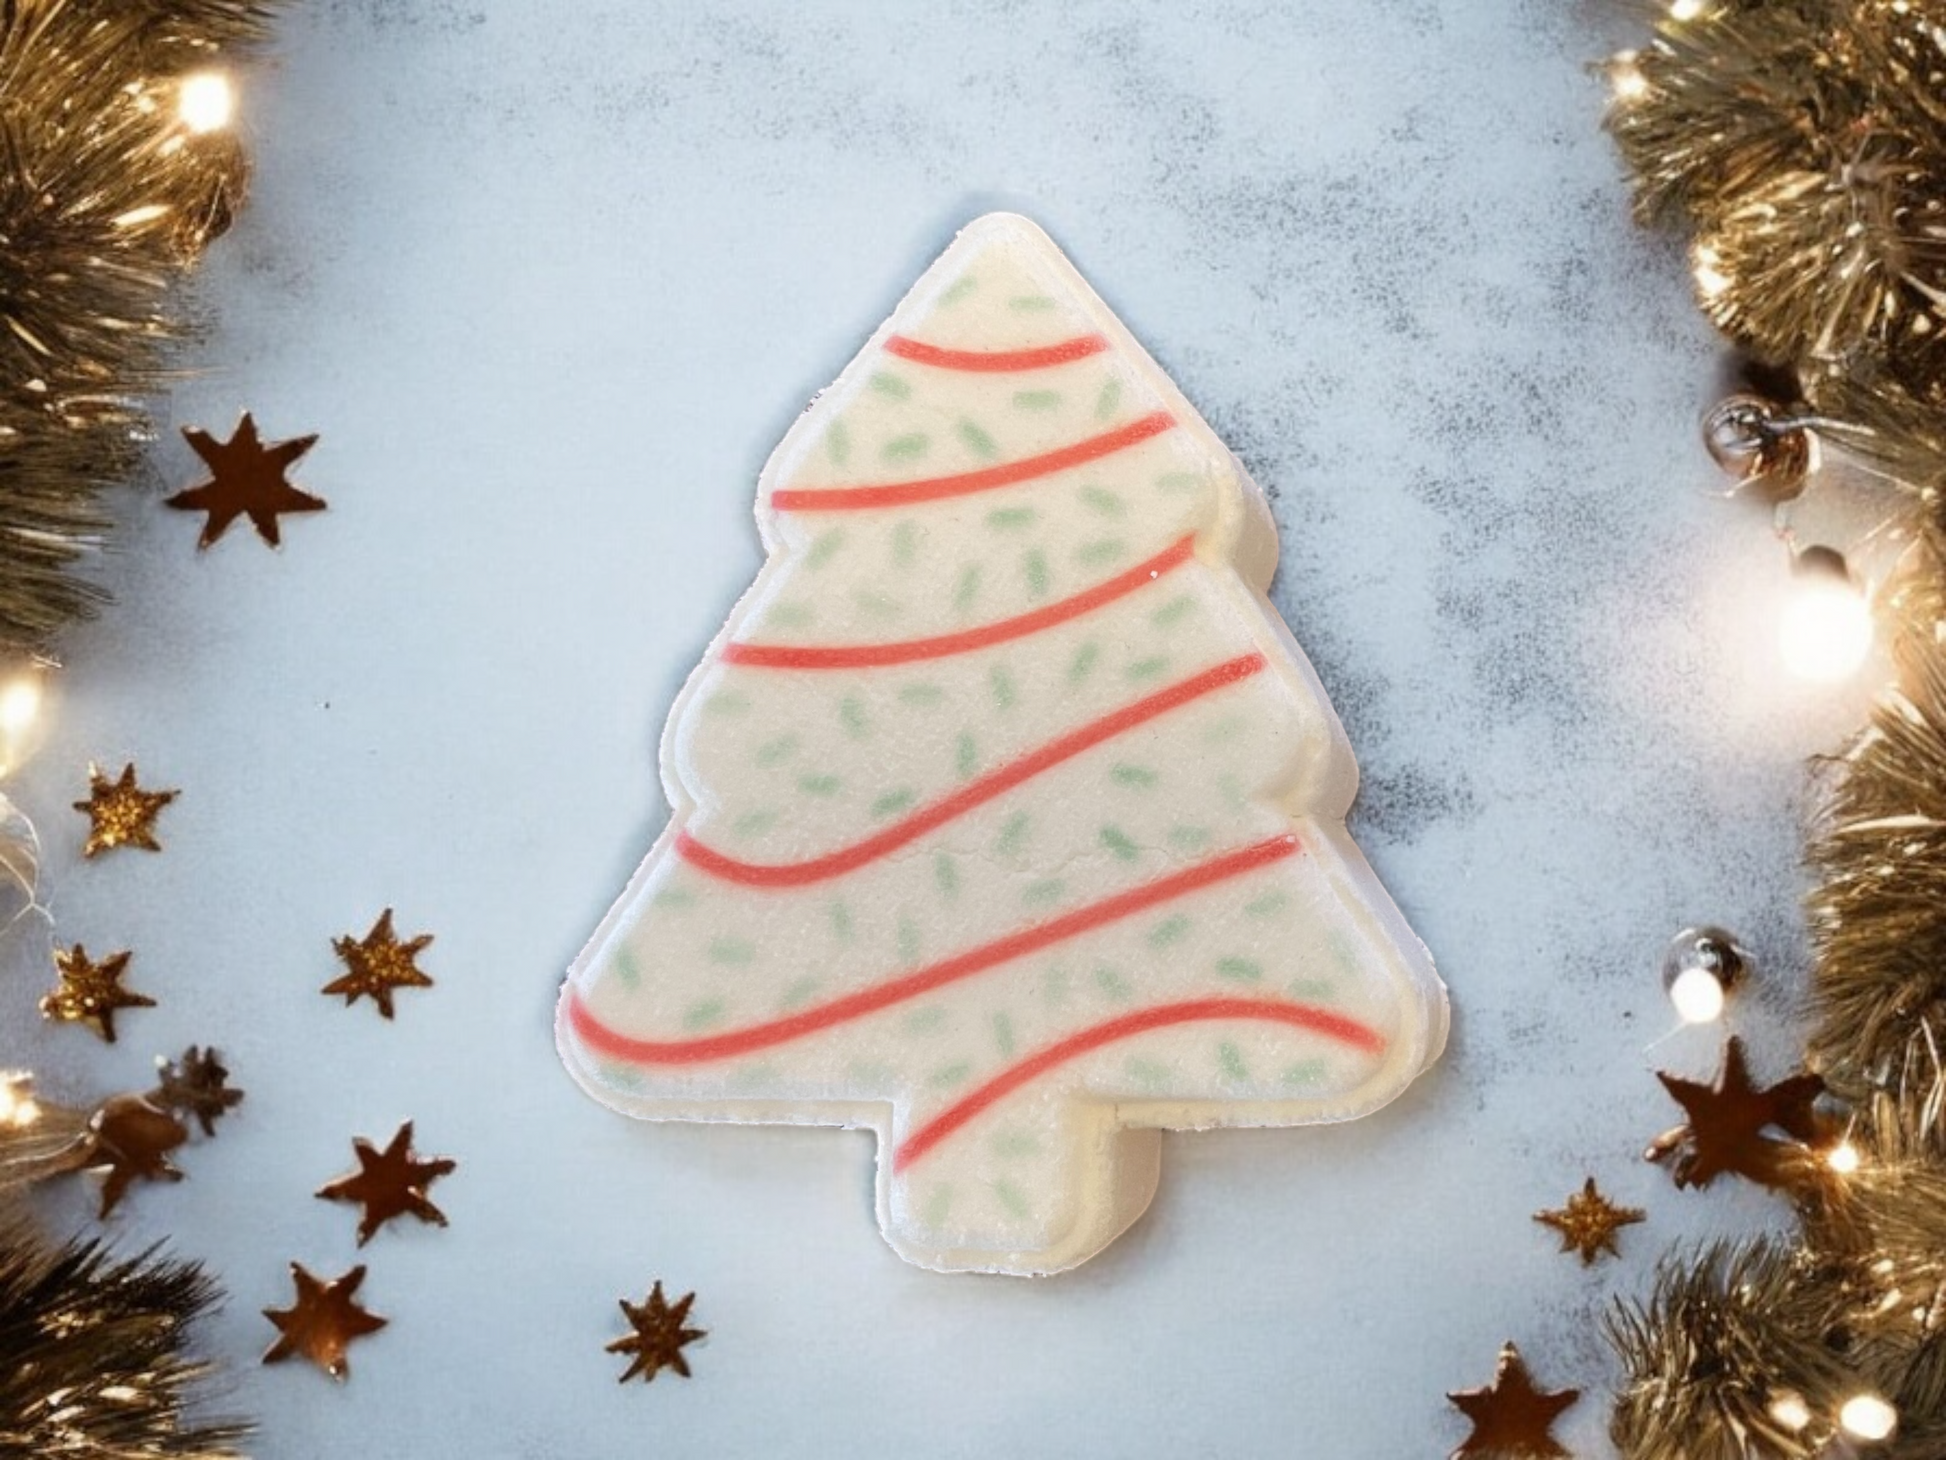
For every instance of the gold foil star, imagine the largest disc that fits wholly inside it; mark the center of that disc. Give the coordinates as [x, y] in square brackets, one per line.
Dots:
[323, 1321]
[131, 1136]
[390, 1183]
[121, 813]
[659, 1336]
[1510, 1416]
[1588, 1223]
[1727, 1121]
[197, 1085]
[377, 964]
[90, 992]
[246, 480]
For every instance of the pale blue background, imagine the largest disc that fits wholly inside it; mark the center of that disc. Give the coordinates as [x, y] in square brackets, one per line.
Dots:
[551, 280]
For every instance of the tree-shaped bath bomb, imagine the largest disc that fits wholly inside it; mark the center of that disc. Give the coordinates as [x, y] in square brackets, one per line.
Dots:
[1008, 818]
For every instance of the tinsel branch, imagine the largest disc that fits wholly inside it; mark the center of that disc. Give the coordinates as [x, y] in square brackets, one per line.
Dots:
[106, 198]
[92, 1358]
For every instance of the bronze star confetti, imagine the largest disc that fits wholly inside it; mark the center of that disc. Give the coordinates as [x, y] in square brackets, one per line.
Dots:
[197, 1086]
[1510, 1416]
[659, 1337]
[1588, 1223]
[129, 1136]
[1727, 1120]
[389, 1183]
[90, 992]
[121, 813]
[246, 480]
[377, 964]
[323, 1321]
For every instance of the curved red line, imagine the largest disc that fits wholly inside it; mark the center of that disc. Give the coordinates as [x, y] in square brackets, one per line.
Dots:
[985, 479]
[859, 656]
[605, 1041]
[996, 361]
[1301, 1016]
[974, 793]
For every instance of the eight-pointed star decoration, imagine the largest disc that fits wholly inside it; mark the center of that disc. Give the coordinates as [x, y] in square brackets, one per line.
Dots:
[323, 1321]
[246, 480]
[196, 1086]
[1588, 1223]
[90, 992]
[131, 1136]
[1727, 1121]
[389, 1183]
[1510, 1416]
[121, 813]
[659, 1337]
[378, 963]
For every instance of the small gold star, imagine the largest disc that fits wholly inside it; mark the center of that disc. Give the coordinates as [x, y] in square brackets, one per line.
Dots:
[1588, 1223]
[131, 1136]
[121, 813]
[323, 1321]
[390, 1183]
[246, 480]
[1510, 1416]
[659, 1336]
[89, 992]
[377, 964]
[1727, 1121]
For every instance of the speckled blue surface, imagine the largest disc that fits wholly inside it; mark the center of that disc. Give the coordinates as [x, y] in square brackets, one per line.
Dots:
[551, 280]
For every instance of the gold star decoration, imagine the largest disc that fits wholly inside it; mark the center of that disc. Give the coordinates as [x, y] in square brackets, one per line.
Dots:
[1727, 1121]
[389, 1183]
[659, 1337]
[197, 1086]
[323, 1321]
[1510, 1416]
[377, 964]
[90, 992]
[129, 1137]
[121, 813]
[246, 480]
[1588, 1223]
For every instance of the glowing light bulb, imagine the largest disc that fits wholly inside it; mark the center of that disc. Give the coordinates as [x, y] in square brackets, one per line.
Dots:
[1699, 969]
[1697, 995]
[1844, 1158]
[1790, 1410]
[22, 722]
[1685, 9]
[17, 1107]
[1868, 1417]
[1705, 264]
[206, 101]
[1825, 629]
[1625, 78]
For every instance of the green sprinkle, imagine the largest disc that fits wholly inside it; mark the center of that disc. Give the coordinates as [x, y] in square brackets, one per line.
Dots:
[1031, 303]
[1232, 790]
[908, 447]
[1037, 400]
[893, 802]
[1048, 889]
[1168, 931]
[949, 1075]
[1146, 1073]
[909, 952]
[905, 542]
[1304, 1072]
[1108, 400]
[819, 785]
[968, 588]
[1011, 1198]
[1054, 987]
[1224, 729]
[790, 615]
[927, 1020]
[841, 921]
[1178, 481]
[1006, 519]
[1013, 1145]
[967, 755]
[798, 994]
[872, 1074]
[1002, 684]
[876, 602]
[1243, 970]
[1173, 612]
[1232, 1060]
[1012, 834]
[886, 383]
[1102, 550]
[622, 1077]
[851, 714]
[623, 962]
[1003, 1035]
[1102, 501]
[823, 547]
[728, 702]
[753, 823]
[978, 441]
[964, 285]
[1188, 838]
[1117, 841]
[921, 694]
[945, 872]
[1113, 984]
[837, 443]
[1083, 661]
[731, 950]
[1269, 903]
[1311, 990]
[1342, 953]
[1147, 668]
[1132, 775]
[674, 896]
[1033, 567]
[701, 1016]
[773, 751]
[938, 1204]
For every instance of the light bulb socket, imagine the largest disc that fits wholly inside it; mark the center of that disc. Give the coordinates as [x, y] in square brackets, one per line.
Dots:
[1760, 446]
[1708, 951]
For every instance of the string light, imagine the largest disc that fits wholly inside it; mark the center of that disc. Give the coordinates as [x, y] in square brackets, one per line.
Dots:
[22, 721]
[1824, 631]
[18, 1108]
[1844, 1158]
[206, 101]
[1790, 1410]
[1868, 1417]
[1699, 969]
[1625, 78]
[1685, 9]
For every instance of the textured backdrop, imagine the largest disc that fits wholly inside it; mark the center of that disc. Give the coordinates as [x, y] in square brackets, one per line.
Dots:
[551, 280]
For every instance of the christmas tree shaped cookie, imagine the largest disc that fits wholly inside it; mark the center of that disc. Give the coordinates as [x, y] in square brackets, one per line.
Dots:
[1008, 816]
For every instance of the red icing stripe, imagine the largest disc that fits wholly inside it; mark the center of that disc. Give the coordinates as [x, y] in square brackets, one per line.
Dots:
[996, 361]
[974, 793]
[985, 479]
[862, 656]
[605, 1041]
[1299, 1016]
